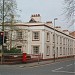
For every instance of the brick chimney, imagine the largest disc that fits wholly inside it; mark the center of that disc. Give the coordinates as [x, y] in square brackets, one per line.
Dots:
[72, 33]
[49, 23]
[66, 31]
[58, 28]
[36, 17]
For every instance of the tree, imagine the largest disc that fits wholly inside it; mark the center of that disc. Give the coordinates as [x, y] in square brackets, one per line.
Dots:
[70, 11]
[10, 7]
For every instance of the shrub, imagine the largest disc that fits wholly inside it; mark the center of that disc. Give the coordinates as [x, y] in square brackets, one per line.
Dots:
[0, 51]
[12, 50]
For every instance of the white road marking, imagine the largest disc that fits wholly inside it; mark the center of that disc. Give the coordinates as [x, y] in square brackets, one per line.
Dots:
[57, 69]
[64, 72]
[69, 65]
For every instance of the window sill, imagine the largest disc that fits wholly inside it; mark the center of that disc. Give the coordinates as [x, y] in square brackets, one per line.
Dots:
[47, 55]
[36, 40]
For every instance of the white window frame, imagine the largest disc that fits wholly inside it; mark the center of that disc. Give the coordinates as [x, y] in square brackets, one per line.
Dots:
[48, 51]
[35, 49]
[6, 34]
[60, 50]
[19, 34]
[19, 47]
[48, 36]
[35, 35]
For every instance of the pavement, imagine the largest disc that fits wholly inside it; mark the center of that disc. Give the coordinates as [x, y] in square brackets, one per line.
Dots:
[42, 62]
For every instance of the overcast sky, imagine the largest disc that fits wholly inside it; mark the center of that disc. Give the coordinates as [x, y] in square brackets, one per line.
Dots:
[48, 9]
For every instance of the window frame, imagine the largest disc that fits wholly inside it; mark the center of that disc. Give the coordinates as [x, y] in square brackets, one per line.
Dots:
[33, 36]
[34, 52]
[48, 36]
[19, 35]
[48, 51]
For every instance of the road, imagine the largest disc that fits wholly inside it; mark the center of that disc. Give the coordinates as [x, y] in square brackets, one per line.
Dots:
[57, 68]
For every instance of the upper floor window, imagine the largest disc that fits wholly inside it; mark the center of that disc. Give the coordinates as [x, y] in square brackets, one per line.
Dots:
[53, 38]
[63, 41]
[36, 35]
[19, 35]
[48, 36]
[57, 39]
[60, 40]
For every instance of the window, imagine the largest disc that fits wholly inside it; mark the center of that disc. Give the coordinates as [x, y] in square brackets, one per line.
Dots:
[35, 49]
[60, 40]
[48, 50]
[53, 51]
[60, 50]
[63, 50]
[63, 41]
[47, 36]
[53, 38]
[57, 39]
[68, 51]
[19, 47]
[5, 47]
[6, 34]
[19, 35]
[36, 35]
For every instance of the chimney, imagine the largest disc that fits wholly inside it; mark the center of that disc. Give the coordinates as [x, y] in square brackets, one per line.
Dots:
[58, 28]
[49, 23]
[72, 33]
[66, 31]
[36, 17]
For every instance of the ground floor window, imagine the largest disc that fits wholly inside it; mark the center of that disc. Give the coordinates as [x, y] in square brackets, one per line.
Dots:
[48, 50]
[68, 51]
[5, 47]
[35, 49]
[63, 50]
[19, 47]
[60, 50]
[53, 50]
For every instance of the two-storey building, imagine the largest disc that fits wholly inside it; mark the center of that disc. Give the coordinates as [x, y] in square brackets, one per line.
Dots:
[36, 37]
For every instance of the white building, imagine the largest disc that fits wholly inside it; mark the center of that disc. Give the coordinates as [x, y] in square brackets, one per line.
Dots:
[36, 37]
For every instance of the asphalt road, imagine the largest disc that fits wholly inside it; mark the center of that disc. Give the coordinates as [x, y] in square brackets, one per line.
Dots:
[57, 68]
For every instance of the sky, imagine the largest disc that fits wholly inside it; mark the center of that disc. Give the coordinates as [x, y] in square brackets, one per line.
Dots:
[48, 9]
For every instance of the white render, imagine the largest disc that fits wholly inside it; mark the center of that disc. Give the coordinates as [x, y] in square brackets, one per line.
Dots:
[64, 43]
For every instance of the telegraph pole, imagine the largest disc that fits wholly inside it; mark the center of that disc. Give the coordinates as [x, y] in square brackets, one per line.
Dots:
[3, 17]
[3, 32]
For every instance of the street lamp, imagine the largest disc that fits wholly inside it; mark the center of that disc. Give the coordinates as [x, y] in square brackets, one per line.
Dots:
[54, 37]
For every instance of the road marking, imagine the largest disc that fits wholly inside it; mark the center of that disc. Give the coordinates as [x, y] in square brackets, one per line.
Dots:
[57, 69]
[65, 72]
[40, 64]
[69, 65]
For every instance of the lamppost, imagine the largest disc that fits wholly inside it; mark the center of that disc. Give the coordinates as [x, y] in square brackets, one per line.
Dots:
[54, 37]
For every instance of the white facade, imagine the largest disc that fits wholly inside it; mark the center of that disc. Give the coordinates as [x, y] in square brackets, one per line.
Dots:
[38, 38]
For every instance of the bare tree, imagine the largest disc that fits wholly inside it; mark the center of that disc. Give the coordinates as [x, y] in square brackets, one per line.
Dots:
[70, 11]
[10, 7]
